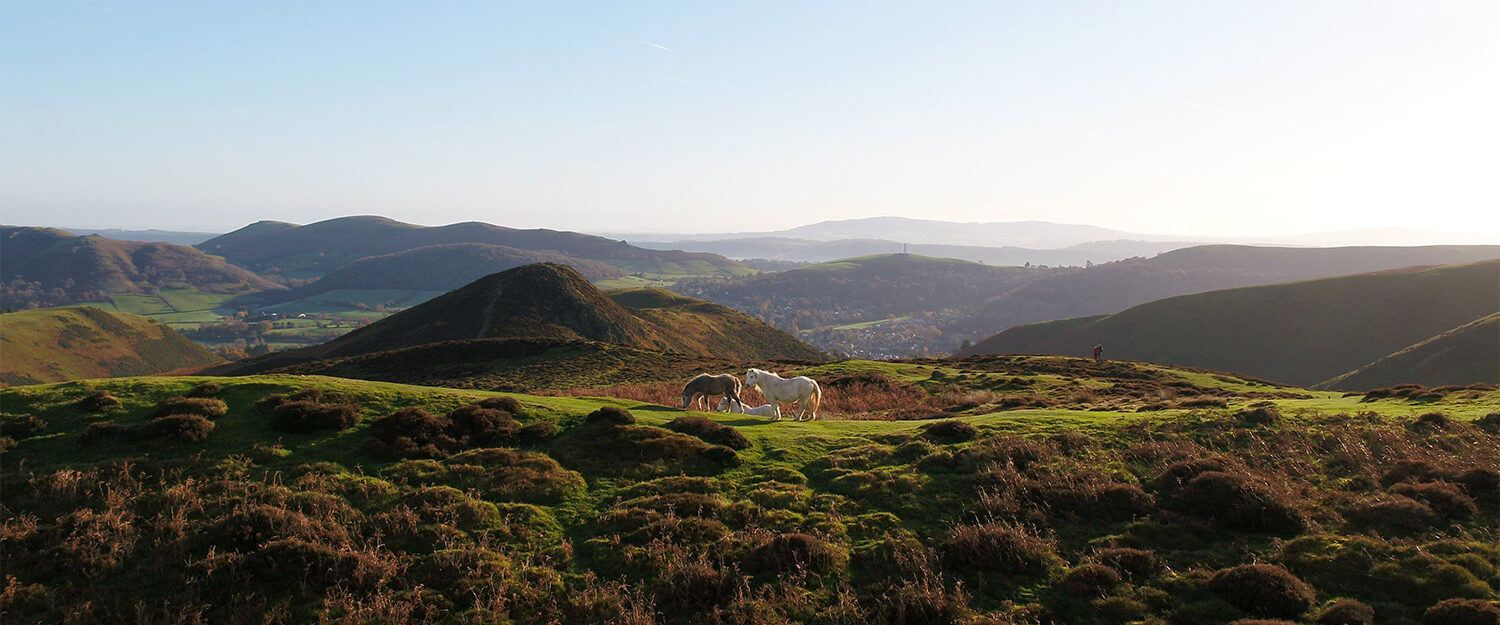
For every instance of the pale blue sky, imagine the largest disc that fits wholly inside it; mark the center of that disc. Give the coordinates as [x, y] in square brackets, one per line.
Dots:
[1186, 117]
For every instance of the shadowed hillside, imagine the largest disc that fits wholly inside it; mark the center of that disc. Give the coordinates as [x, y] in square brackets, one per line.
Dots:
[1301, 332]
[1113, 287]
[58, 344]
[551, 301]
[49, 267]
[442, 267]
[1468, 354]
[319, 248]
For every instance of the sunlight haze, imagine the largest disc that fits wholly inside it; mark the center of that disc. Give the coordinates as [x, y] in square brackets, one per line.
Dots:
[1172, 118]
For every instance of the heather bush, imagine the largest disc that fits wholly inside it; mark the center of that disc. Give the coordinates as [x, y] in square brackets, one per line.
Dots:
[1462, 612]
[301, 417]
[1260, 415]
[488, 427]
[1445, 499]
[786, 553]
[1139, 564]
[1237, 501]
[186, 428]
[1490, 422]
[98, 401]
[1263, 590]
[208, 407]
[1346, 612]
[1392, 514]
[22, 426]
[950, 431]
[1001, 547]
[611, 414]
[710, 431]
[536, 433]
[205, 389]
[1090, 580]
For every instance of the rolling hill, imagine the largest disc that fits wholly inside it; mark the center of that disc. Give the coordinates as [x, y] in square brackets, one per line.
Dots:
[48, 267]
[442, 267]
[1113, 287]
[1300, 333]
[817, 251]
[59, 344]
[316, 249]
[1468, 354]
[552, 301]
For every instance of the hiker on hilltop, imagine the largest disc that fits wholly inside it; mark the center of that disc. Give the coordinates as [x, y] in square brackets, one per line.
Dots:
[1098, 353]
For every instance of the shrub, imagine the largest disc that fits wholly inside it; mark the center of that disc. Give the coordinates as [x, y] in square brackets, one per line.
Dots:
[1263, 590]
[1140, 564]
[1260, 415]
[506, 403]
[1238, 502]
[292, 561]
[533, 433]
[187, 428]
[1346, 612]
[1412, 471]
[611, 414]
[22, 426]
[922, 602]
[1002, 547]
[950, 431]
[710, 431]
[1392, 513]
[515, 475]
[98, 401]
[639, 450]
[1203, 402]
[208, 407]
[206, 389]
[483, 426]
[253, 525]
[413, 431]
[102, 432]
[1481, 484]
[1462, 612]
[786, 553]
[1090, 580]
[1489, 423]
[1442, 497]
[300, 417]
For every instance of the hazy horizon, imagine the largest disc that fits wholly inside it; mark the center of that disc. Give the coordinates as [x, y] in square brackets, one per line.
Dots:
[1165, 118]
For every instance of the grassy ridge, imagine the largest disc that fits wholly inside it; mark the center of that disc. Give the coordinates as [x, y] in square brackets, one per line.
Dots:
[1301, 332]
[1467, 354]
[72, 343]
[1075, 516]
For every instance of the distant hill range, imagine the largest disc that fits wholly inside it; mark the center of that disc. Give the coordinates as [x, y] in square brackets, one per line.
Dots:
[809, 250]
[313, 250]
[1467, 354]
[59, 344]
[1113, 287]
[442, 267]
[50, 267]
[1301, 333]
[553, 301]
[147, 236]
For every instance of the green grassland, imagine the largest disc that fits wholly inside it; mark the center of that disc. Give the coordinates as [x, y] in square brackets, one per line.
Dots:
[1081, 512]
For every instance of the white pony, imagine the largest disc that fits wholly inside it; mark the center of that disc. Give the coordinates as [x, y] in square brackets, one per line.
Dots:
[766, 410]
[801, 389]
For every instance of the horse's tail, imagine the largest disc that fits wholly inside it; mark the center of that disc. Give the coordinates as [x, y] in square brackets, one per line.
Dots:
[817, 398]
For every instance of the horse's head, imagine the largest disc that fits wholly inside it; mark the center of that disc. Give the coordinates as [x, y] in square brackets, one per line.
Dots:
[752, 377]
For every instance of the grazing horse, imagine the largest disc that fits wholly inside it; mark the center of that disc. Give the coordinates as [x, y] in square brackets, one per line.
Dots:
[801, 389]
[706, 386]
[766, 410]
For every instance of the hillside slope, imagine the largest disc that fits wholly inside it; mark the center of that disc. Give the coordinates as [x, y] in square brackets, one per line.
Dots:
[409, 504]
[1300, 333]
[60, 344]
[443, 267]
[319, 248]
[49, 267]
[552, 301]
[1468, 354]
[1113, 287]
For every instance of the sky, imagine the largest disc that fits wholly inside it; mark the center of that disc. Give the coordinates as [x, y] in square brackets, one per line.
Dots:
[1193, 117]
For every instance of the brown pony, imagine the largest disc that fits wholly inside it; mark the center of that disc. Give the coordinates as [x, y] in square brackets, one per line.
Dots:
[705, 386]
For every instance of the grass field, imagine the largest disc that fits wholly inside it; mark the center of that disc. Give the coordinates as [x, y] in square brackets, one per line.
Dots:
[539, 509]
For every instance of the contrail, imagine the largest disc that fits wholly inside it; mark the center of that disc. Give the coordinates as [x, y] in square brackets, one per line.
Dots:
[654, 45]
